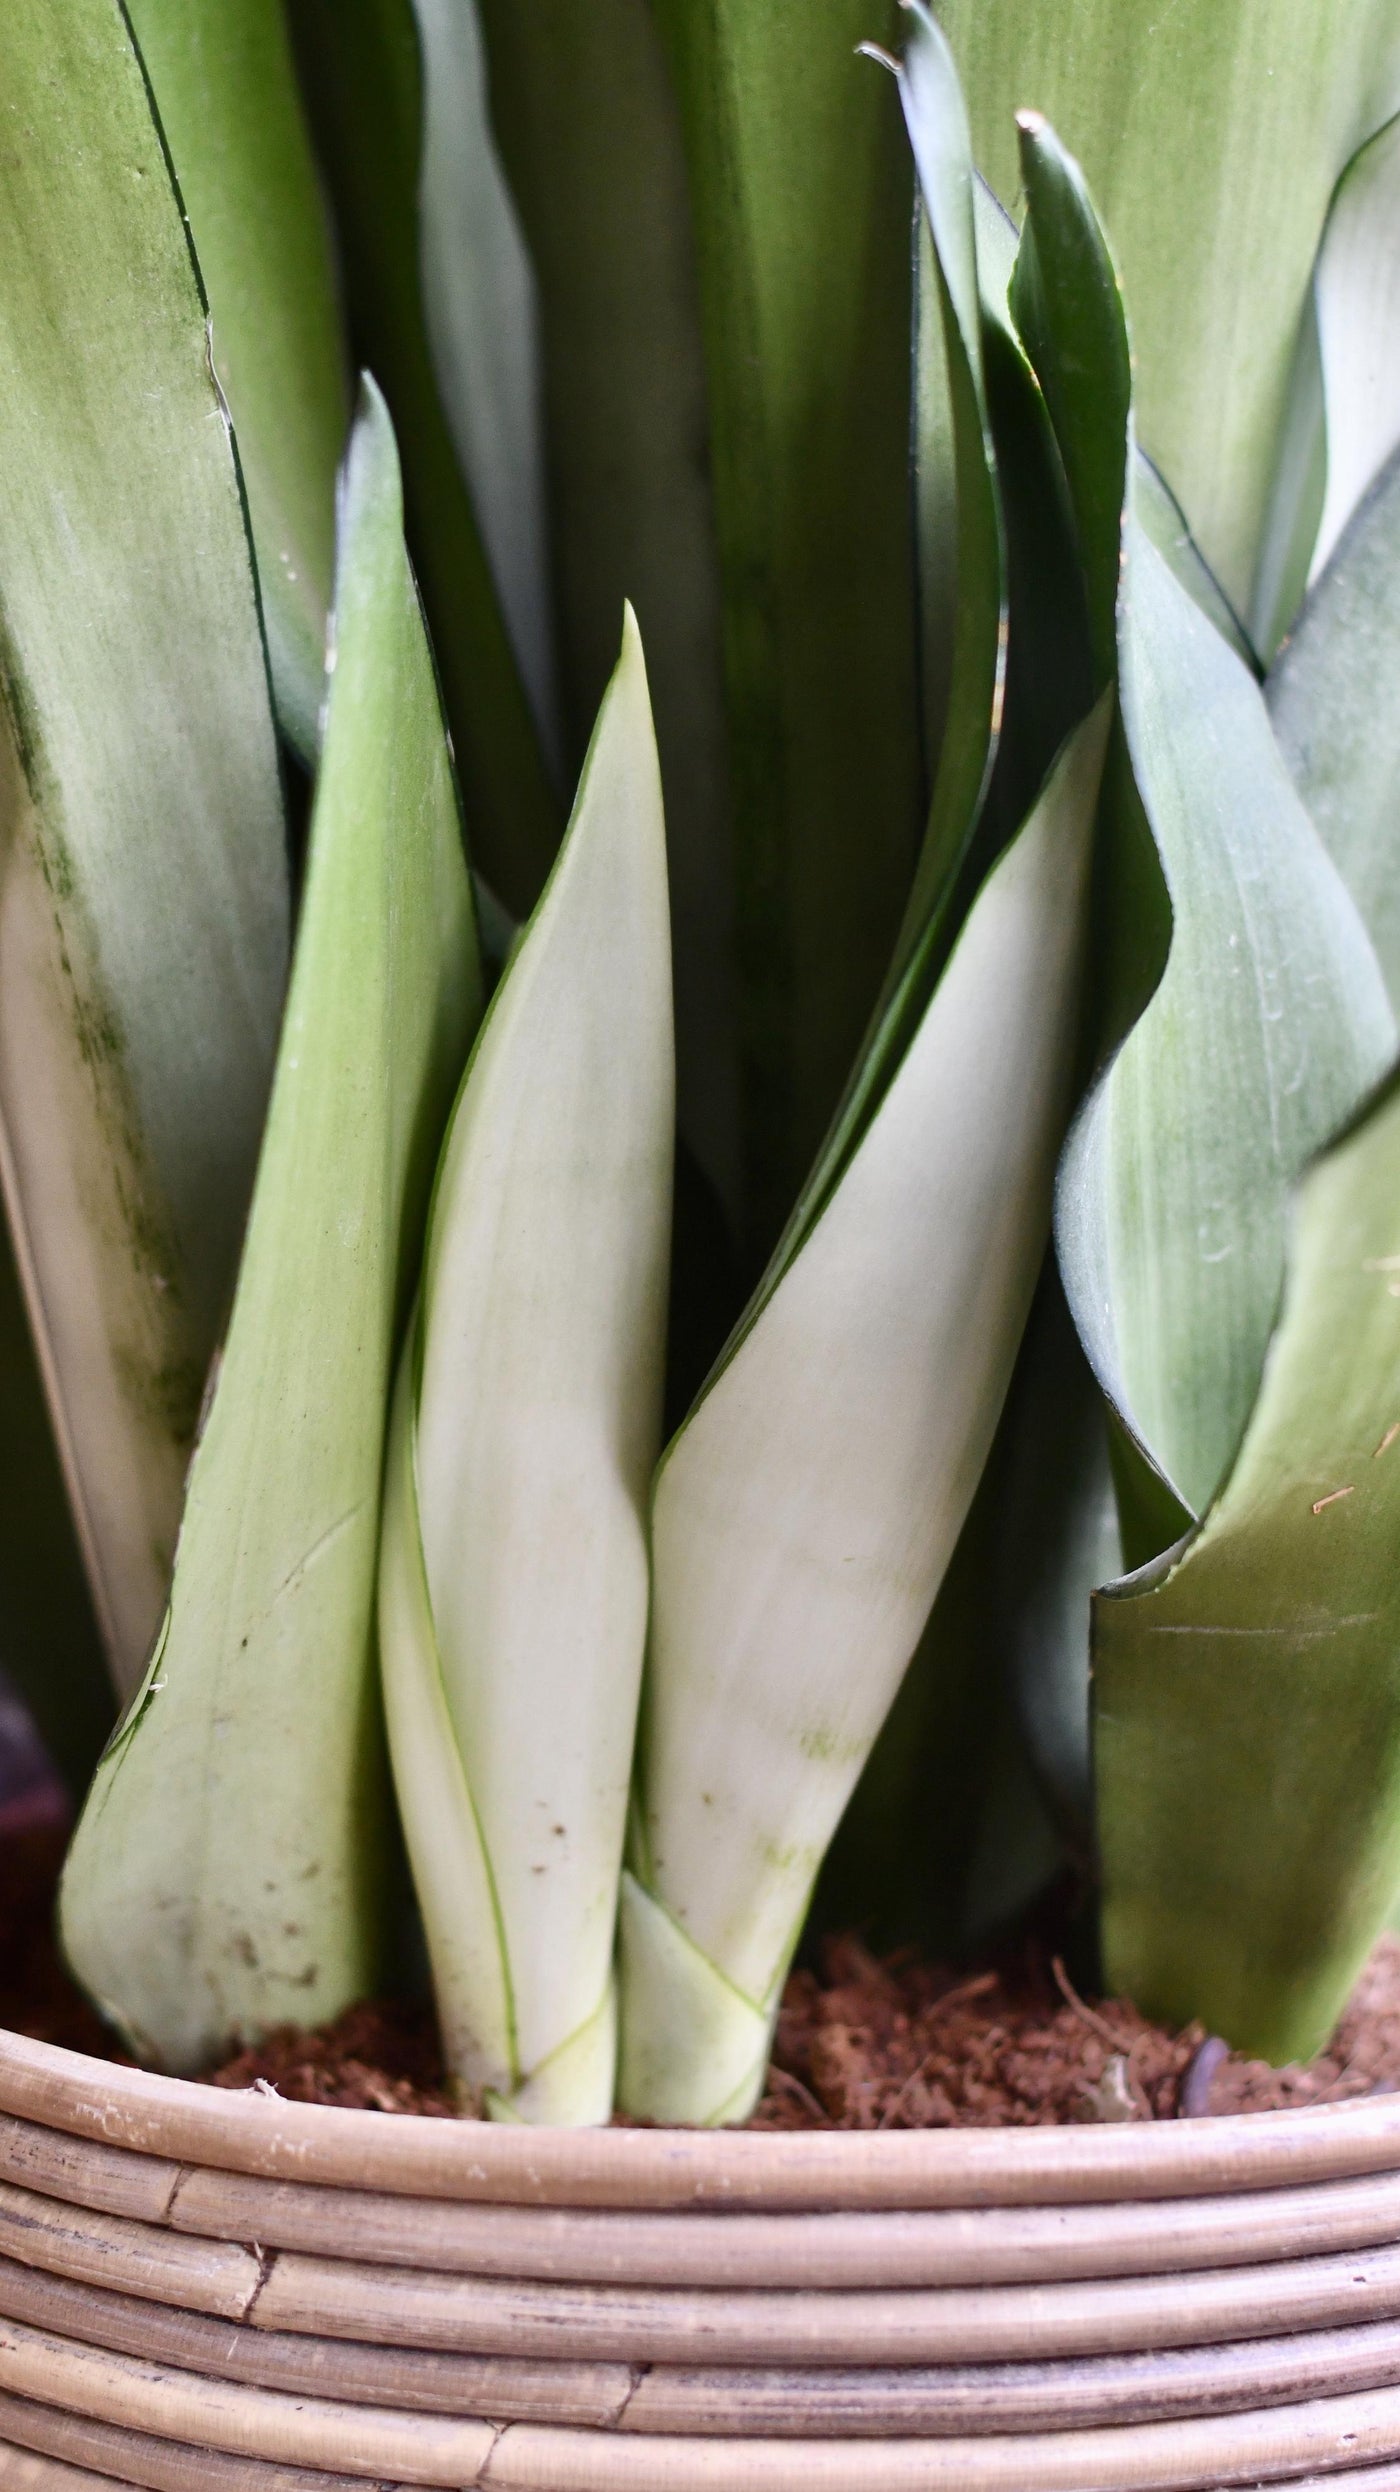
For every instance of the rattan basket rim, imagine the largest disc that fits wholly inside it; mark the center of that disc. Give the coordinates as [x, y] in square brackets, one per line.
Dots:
[258, 2133]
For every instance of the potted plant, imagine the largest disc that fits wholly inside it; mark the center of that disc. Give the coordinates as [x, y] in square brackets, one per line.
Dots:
[532, 1171]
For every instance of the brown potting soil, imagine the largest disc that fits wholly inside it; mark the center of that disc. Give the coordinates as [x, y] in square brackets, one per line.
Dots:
[861, 2043]
[902, 2044]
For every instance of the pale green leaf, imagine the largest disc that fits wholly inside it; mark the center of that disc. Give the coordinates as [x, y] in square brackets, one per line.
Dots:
[1332, 701]
[515, 1573]
[230, 1870]
[1246, 1701]
[1163, 522]
[589, 132]
[224, 86]
[1212, 137]
[361, 74]
[143, 897]
[804, 1515]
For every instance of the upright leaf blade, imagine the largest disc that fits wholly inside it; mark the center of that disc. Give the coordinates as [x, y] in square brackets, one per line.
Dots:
[514, 1575]
[971, 712]
[361, 75]
[801, 196]
[479, 304]
[963, 534]
[1212, 138]
[229, 1871]
[226, 92]
[143, 899]
[590, 134]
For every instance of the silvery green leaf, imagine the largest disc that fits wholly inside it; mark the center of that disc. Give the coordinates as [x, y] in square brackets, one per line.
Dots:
[143, 891]
[1269, 1018]
[1243, 1279]
[229, 109]
[479, 302]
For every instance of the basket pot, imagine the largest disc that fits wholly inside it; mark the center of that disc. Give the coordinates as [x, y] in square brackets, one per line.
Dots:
[202, 2288]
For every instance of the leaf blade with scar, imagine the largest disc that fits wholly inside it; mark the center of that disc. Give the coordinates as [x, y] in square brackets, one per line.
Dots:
[240, 1812]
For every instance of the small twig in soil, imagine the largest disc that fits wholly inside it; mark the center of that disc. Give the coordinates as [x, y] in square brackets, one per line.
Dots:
[1072, 1999]
[784, 2076]
[975, 1988]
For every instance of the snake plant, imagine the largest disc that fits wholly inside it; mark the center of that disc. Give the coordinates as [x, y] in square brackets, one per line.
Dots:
[653, 1260]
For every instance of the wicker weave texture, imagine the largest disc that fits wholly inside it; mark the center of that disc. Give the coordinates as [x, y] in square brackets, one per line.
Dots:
[203, 2289]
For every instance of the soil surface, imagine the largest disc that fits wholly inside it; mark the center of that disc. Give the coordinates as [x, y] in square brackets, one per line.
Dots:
[861, 2044]
[901, 2044]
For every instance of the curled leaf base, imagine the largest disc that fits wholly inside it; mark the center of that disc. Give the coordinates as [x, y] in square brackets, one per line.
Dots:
[693, 2050]
[573, 2087]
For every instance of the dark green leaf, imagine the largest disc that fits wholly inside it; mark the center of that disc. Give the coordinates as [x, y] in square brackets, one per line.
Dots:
[801, 192]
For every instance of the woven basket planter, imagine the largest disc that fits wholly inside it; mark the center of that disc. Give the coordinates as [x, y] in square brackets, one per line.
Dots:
[214, 2289]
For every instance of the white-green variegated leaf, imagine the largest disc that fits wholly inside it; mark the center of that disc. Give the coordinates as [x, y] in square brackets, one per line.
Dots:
[230, 1871]
[1332, 700]
[1343, 418]
[143, 890]
[805, 1513]
[514, 1572]
[482, 321]
[225, 89]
